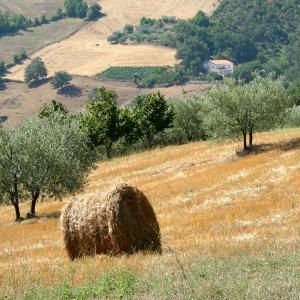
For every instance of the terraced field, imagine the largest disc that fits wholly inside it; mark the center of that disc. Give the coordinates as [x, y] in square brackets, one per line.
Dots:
[88, 53]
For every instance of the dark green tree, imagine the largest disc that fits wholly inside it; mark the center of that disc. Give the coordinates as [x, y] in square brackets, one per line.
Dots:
[193, 54]
[60, 80]
[94, 12]
[35, 71]
[101, 121]
[76, 8]
[152, 115]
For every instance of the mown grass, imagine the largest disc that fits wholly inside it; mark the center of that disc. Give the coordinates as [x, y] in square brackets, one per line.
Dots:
[274, 275]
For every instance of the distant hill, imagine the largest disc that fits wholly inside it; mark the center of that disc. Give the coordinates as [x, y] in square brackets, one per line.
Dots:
[272, 25]
[88, 52]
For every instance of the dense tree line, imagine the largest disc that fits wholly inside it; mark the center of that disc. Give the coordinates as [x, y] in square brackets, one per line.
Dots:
[12, 24]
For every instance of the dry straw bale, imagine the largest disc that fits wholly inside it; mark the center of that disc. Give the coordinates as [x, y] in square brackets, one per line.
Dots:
[121, 222]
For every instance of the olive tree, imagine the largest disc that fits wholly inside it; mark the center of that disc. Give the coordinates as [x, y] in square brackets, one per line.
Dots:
[11, 173]
[235, 109]
[43, 157]
[188, 118]
[55, 157]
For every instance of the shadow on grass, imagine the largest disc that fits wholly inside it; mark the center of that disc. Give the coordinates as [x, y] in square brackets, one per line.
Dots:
[49, 216]
[71, 91]
[282, 146]
[3, 119]
[2, 86]
[39, 83]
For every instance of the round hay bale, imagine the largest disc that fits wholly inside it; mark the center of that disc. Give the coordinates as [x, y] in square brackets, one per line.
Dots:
[122, 222]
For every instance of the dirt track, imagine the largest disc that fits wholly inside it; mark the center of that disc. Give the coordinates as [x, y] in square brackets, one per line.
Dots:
[87, 52]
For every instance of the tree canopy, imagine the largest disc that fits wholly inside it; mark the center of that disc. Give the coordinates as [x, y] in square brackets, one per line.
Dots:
[43, 157]
[60, 80]
[35, 71]
[235, 109]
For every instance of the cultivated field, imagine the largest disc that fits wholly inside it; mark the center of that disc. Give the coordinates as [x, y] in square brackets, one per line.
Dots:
[31, 8]
[88, 53]
[37, 37]
[230, 227]
[18, 102]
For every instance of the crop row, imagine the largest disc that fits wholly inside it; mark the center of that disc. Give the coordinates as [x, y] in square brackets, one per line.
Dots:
[128, 73]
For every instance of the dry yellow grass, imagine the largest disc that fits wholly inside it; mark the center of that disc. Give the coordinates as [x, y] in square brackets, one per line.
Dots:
[207, 200]
[80, 54]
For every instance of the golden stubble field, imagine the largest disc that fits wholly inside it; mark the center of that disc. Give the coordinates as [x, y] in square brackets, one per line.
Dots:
[208, 200]
[87, 52]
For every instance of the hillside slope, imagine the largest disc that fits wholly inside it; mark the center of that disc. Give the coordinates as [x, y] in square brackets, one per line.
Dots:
[208, 201]
[88, 53]
[31, 8]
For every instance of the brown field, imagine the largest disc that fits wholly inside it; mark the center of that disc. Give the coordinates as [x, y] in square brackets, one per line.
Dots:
[37, 37]
[19, 102]
[87, 52]
[208, 201]
[31, 8]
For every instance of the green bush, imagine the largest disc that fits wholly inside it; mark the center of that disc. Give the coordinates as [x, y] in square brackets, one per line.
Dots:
[293, 116]
[35, 71]
[76, 8]
[60, 80]
[94, 12]
[19, 57]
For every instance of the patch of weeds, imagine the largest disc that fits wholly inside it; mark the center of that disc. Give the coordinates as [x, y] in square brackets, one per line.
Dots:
[189, 192]
[120, 284]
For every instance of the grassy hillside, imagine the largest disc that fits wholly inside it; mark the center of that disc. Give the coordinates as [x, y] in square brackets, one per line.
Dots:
[89, 53]
[37, 37]
[230, 228]
[31, 8]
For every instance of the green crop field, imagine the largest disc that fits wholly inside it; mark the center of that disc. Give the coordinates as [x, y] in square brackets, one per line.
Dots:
[128, 73]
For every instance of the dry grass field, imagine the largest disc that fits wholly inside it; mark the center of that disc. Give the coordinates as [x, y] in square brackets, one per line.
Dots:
[18, 102]
[210, 203]
[37, 37]
[87, 52]
[31, 8]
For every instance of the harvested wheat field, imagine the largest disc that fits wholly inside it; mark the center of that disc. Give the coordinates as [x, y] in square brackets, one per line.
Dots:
[213, 206]
[87, 52]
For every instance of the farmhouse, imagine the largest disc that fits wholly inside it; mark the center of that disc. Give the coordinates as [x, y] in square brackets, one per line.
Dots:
[224, 67]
